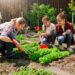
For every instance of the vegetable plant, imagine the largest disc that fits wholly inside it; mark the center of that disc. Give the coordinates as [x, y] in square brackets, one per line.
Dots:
[53, 56]
[44, 55]
[29, 71]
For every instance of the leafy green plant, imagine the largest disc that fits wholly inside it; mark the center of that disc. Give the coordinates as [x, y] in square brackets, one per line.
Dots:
[53, 56]
[41, 52]
[20, 37]
[71, 7]
[45, 55]
[34, 16]
[29, 71]
[30, 48]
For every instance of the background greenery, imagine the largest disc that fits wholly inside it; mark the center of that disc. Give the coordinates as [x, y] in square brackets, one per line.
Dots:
[35, 15]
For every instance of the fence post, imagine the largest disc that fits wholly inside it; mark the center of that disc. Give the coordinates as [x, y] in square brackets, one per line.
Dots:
[0, 18]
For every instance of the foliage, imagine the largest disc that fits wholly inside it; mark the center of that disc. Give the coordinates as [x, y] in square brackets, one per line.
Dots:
[20, 37]
[29, 71]
[71, 7]
[34, 16]
[52, 56]
[43, 55]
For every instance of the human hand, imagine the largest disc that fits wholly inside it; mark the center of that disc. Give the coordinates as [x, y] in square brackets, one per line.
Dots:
[68, 31]
[64, 33]
[43, 34]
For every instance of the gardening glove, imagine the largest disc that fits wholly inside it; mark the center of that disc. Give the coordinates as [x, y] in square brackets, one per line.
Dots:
[21, 49]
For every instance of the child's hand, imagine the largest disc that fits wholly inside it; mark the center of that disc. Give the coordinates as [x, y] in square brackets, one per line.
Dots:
[68, 31]
[43, 34]
[64, 33]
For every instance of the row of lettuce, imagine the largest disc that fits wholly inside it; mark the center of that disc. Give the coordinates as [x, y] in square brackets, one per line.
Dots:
[45, 55]
[35, 53]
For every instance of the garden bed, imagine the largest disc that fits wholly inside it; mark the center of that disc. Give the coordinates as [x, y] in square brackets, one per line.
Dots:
[64, 65]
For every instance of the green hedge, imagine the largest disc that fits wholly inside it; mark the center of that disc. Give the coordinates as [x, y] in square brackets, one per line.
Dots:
[35, 15]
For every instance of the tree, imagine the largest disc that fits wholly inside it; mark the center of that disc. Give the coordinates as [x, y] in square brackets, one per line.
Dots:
[72, 7]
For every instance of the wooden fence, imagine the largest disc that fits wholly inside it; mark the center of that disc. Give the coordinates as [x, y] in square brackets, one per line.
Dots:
[14, 8]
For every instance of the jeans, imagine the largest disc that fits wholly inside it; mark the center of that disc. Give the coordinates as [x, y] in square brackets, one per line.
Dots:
[6, 49]
[49, 39]
[53, 37]
[65, 39]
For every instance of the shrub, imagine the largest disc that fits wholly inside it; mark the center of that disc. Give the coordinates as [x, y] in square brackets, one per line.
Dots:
[69, 10]
[35, 15]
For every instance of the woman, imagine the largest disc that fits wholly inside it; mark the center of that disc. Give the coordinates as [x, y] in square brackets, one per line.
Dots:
[8, 37]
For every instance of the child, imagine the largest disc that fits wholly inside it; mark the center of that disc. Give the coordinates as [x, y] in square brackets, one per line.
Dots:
[50, 34]
[64, 31]
[9, 33]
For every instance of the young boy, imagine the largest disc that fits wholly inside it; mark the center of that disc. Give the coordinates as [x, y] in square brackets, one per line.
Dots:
[9, 33]
[50, 34]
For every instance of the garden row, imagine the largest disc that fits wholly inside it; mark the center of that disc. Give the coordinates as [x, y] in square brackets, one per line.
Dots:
[29, 71]
[43, 55]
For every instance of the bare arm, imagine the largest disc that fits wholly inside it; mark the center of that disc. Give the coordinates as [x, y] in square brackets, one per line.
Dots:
[5, 39]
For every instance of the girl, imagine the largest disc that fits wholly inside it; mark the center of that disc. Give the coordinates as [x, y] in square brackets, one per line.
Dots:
[64, 31]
